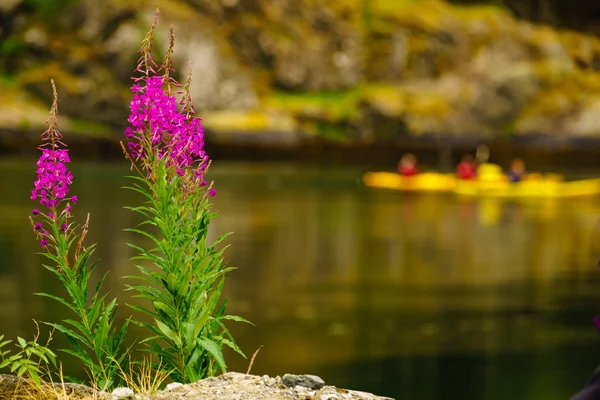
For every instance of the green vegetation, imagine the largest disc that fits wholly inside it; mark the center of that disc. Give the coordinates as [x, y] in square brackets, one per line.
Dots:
[31, 359]
[181, 271]
[332, 106]
[48, 9]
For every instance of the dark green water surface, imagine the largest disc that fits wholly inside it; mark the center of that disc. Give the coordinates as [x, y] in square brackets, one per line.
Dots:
[416, 297]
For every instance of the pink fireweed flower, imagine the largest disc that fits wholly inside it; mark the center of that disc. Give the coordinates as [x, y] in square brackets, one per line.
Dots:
[160, 127]
[53, 180]
[53, 177]
[172, 134]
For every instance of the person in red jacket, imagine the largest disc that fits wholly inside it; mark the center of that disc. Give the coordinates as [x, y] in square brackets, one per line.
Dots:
[408, 165]
[467, 168]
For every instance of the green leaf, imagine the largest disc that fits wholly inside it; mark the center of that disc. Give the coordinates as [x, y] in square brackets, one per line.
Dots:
[221, 238]
[141, 309]
[95, 309]
[149, 339]
[69, 333]
[59, 299]
[167, 332]
[148, 292]
[164, 307]
[33, 374]
[84, 358]
[15, 357]
[233, 346]
[21, 370]
[144, 233]
[143, 210]
[85, 332]
[236, 318]
[214, 350]
[200, 322]
[39, 354]
[100, 283]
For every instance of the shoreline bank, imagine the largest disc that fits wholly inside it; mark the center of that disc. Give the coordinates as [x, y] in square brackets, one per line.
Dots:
[539, 152]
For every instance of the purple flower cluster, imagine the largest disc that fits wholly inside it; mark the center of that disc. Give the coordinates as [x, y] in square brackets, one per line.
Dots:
[53, 177]
[42, 233]
[54, 180]
[170, 133]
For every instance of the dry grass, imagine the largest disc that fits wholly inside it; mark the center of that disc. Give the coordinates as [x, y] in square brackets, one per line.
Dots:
[13, 387]
[142, 378]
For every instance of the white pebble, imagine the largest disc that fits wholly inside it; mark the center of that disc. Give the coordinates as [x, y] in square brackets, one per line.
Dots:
[121, 393]
[174, 385]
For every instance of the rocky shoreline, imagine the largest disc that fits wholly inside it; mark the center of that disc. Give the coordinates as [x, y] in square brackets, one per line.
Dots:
[229, 386]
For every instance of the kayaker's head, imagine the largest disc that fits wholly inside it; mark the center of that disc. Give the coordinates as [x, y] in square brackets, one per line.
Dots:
[468, 158]
[408, 160]
[482, 154]
[517, 165]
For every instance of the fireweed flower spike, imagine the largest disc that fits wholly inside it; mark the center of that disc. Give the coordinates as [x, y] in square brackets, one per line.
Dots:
[94, 339]
[53, 178]
[158, 128]
[182, 274]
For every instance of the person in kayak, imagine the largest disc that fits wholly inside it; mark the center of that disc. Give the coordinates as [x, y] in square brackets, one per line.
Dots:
[408, 165]
[467, 168]
[516, 173]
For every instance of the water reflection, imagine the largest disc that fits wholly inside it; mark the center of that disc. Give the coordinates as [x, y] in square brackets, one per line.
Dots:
[410, 296]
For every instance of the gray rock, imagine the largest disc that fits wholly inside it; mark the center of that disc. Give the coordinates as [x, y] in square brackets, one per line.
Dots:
[121, 393]
[236, 376]
[174, 385]
[307, 381]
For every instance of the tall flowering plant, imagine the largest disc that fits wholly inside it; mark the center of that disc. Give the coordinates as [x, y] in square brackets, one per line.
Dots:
[182, 286]
[93, 336]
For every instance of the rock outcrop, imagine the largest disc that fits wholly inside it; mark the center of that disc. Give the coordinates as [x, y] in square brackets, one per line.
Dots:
[347, 69]
[236, 386]
[229, 386]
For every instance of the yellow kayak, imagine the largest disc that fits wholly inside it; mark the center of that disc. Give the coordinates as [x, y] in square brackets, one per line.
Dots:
[537, 188]
[424, 182]
[491, 182]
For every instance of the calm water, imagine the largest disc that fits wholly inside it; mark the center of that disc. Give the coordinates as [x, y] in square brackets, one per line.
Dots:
[411, 296]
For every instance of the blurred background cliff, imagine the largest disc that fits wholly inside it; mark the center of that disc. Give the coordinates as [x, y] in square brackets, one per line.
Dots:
[358, 70]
